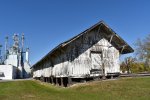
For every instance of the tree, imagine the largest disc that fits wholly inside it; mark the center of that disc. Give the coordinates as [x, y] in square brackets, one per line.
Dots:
[143, 50]
[127, 64]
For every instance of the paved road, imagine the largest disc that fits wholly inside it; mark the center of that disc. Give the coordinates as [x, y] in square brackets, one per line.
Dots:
[135, 75]
[15, 80]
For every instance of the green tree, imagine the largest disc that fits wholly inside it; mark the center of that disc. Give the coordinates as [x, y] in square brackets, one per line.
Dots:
[143, 51]
[127, 64]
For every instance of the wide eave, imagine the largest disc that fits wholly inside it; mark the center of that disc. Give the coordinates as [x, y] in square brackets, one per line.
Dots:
[108, 33]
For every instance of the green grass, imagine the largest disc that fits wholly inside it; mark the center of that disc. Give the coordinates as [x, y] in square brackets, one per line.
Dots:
[122, 89]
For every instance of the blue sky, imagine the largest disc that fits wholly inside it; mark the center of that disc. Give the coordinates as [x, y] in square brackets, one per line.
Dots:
[46, 23]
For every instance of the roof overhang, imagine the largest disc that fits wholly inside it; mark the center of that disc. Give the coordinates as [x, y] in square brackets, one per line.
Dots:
[116, 40]
[109, 34]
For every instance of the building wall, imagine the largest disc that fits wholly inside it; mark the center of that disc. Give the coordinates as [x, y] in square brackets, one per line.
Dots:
[12, 60]
[26, 70]
[80, 57]
[7, 72]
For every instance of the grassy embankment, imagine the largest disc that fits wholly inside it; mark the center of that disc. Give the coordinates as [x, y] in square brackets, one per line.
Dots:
[122, 89]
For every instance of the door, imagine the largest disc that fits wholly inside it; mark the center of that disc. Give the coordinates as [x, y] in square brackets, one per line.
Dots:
[96, 63]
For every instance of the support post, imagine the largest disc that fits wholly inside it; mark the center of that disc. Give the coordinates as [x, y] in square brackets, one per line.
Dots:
[52, 80]
[49, 80]
[122, 48]
[69, 81]
[61, 79]
[56, 81]
[104, 77]
[112, 76]
[111, 38]
[42, 78]
[46, 79]
[103, 65]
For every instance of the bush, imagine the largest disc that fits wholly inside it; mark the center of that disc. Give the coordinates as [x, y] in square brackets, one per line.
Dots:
[135, 67]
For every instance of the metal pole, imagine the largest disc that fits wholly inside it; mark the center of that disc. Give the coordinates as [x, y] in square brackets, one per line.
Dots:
[22, 39]
[6, 46]
[0, 54]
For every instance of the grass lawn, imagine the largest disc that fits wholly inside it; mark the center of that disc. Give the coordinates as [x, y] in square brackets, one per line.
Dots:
[121, 89]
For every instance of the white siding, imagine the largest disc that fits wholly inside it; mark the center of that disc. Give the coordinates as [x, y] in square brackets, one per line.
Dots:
[76, 60]
[7, 72]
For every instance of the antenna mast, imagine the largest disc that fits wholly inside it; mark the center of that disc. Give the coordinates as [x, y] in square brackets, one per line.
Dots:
[16, 43]
[22, 39]
[6, 46]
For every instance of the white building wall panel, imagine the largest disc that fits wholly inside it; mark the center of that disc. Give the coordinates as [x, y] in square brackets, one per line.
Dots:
[76, 59]
[7, 72]
[46, 72]
[12, 60]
